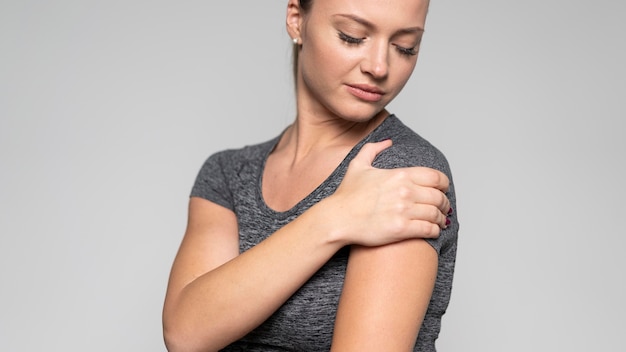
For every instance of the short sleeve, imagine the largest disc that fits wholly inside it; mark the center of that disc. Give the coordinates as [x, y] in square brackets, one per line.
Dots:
[212, 183]
[424, 154]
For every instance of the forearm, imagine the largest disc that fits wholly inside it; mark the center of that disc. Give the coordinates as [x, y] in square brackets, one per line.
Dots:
[224, 304]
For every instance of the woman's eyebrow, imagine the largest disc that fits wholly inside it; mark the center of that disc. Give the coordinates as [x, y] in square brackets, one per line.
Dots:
[370, 25]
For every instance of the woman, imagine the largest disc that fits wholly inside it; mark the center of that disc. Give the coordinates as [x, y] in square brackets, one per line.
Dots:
[339, 233]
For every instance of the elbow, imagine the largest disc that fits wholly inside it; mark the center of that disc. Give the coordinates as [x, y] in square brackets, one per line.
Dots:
[176, 335]
[178, 339]
[174, 340]
[171, 336]
[187, 332]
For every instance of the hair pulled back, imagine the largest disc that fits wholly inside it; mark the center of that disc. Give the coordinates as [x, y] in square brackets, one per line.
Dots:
[305, 6]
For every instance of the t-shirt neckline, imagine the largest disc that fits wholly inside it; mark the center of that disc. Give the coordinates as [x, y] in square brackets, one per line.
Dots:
[306, 202]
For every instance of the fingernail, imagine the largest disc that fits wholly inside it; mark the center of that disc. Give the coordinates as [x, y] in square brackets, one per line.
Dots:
[450, 211]
[448, 222]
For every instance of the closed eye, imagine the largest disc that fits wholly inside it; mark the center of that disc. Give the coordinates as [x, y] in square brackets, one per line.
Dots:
[406, 51]
[348, 39]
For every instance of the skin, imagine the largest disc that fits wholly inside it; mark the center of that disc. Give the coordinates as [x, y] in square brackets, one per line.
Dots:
[216, 295]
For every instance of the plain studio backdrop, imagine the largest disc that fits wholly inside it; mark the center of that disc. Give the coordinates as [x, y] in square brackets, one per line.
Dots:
[109, 108]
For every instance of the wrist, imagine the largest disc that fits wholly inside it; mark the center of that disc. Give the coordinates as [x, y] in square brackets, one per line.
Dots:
[326, 217]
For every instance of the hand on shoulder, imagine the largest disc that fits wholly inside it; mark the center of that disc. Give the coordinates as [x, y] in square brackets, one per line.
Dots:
[374, 206]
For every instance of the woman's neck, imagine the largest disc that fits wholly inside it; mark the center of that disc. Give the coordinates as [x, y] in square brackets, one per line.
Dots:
[312, 135]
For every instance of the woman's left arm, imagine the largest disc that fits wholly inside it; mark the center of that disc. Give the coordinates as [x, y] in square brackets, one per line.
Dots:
[386, 293]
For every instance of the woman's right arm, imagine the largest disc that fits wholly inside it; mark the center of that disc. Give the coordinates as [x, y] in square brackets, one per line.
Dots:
[216, 295]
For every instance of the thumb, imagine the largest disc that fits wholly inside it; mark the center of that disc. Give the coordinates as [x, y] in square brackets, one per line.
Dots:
[369, 151]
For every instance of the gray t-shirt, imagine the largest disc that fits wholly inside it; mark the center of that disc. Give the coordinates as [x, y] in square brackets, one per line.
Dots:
[232, 178]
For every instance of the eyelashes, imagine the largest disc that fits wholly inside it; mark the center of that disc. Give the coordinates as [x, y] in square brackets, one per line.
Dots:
[356, 41]
[406, 51]
[350, 40]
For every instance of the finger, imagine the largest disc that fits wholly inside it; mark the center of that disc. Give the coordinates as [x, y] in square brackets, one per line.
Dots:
[425, 176]
[430, 196]
[429, 213]
[424, 229]
[369, 151]
[443, 204]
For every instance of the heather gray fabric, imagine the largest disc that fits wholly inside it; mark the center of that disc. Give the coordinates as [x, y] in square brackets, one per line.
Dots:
[232, 178]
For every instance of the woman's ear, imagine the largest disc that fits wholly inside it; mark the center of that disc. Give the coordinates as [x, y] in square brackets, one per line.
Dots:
[294, 19]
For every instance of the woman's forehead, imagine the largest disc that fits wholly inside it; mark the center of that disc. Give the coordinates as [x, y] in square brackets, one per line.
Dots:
[383, 12]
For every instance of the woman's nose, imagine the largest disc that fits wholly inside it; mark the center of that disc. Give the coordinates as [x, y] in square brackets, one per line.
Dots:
[376, 61]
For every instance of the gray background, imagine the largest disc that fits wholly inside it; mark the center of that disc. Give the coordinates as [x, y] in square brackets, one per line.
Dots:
[109, 108]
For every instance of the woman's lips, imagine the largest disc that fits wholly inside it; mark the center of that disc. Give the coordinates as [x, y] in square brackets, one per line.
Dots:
[366, 92]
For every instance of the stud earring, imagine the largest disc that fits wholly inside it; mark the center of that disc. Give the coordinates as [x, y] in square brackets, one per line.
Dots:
[295, 41]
